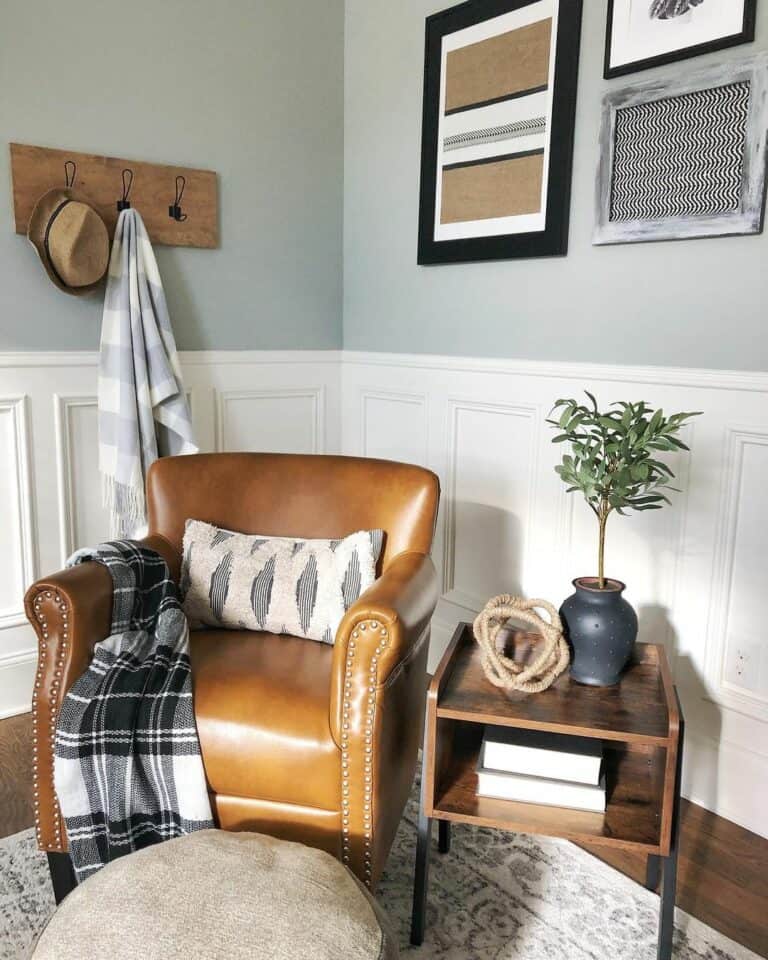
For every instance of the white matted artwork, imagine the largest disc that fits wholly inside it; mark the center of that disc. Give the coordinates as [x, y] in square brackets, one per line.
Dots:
[684, 157]
[647, 33]
[498, 121]
[507, 130]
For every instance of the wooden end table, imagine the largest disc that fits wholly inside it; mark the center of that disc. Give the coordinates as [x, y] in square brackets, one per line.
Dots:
[639, 722]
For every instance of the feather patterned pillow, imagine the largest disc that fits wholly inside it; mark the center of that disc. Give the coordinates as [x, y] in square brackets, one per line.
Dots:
[277, 584]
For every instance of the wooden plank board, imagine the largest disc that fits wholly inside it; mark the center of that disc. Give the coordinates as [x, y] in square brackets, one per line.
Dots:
[37, 169]
[634, 710]
[632, 818]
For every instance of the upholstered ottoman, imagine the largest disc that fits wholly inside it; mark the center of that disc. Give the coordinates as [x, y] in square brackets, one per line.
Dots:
[216, 894]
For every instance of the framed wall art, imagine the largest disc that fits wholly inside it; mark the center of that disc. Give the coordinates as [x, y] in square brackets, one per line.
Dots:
[684, 157]
[497, 131]
[647, 33]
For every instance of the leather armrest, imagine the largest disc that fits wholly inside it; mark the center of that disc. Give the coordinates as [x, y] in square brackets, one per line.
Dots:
[387, 620]
[378, 680]
[71, 611]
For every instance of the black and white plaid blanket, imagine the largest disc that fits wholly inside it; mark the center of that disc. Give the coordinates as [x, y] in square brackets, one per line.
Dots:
[128, 769]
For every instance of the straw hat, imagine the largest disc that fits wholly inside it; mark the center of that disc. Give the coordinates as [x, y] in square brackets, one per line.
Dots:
[71, 240]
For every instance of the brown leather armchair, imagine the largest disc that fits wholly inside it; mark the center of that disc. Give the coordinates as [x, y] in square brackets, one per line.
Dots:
[300, 740]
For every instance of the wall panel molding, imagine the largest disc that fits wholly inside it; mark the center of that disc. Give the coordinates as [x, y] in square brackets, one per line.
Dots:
[63, 406]
[737, 659]
[20, 555]
[680, 564]
[49, 457]
[403, 438]
[311, 420]
[453, 592]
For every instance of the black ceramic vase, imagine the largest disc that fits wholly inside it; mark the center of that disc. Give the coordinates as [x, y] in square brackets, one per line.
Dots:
[601, 628]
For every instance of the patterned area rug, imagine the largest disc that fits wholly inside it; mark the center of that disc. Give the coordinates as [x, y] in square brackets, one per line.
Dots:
[495, 896]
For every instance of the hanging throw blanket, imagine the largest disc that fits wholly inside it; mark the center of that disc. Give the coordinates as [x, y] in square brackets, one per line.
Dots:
[143, 410]
[128, 770]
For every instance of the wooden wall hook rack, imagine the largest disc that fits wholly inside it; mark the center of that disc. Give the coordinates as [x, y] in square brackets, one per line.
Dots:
[153, 192]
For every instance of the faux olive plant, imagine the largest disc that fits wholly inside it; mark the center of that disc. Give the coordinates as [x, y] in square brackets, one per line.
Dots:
[613, 460]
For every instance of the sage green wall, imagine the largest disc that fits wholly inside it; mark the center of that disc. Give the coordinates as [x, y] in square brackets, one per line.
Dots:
[693, 303]
[249, 88]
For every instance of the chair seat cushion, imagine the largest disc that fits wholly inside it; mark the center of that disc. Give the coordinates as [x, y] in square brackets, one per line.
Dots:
[213, 894]
[262, 706]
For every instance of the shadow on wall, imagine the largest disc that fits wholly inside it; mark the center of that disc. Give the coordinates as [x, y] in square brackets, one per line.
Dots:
[494, 562]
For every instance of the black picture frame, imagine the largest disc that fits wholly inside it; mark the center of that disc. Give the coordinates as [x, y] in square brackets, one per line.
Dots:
[745, 35]
[553, 240]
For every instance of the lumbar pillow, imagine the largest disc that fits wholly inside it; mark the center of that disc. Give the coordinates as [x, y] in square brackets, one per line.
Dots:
[278, 584]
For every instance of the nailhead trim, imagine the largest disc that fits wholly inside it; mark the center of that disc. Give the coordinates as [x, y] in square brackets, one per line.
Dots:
[370, 711]
[48, 723]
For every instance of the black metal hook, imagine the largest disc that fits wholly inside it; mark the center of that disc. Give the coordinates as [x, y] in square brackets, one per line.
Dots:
[127, 177]
[70, 169]
[174, 210]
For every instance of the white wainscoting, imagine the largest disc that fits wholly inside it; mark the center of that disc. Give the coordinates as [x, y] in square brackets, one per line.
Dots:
[50, 490]
[697, 572]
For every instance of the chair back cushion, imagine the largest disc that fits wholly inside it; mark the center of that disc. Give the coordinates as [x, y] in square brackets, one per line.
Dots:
[295, 495]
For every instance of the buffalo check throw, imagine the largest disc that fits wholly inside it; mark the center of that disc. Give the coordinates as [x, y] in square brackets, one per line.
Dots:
[128, 770]
[143, 409]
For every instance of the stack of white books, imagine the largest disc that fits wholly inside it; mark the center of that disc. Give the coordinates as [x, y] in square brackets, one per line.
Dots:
[533, 766]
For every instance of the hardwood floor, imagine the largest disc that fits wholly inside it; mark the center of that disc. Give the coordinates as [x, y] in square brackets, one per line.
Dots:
[722, 874]
[15, 774]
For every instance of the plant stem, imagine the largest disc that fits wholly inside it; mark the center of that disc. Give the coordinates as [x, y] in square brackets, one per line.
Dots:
[602, 518]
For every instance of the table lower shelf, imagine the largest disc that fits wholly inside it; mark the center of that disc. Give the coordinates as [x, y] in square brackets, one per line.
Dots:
[632, 819]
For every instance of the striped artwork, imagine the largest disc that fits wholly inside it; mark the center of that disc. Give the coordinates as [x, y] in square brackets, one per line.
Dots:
[280, 585]
[680, 156]
[493, 127]
[500, 83]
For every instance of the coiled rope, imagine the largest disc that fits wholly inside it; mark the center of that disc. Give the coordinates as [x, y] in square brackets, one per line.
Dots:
[552, 654]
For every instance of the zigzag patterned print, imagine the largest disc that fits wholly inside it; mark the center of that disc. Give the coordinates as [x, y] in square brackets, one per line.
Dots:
[681, 156]
[505, 131]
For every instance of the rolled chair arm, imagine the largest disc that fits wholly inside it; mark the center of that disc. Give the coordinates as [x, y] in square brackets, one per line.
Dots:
[70, 611]
[379, 671]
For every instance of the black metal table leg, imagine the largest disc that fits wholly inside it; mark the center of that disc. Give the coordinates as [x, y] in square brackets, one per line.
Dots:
[669, 864]
[444, 836]
[62, 875]
[652, 872]
[421, 881]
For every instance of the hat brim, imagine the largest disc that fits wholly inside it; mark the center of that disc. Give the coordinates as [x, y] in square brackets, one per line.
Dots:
[38, 224]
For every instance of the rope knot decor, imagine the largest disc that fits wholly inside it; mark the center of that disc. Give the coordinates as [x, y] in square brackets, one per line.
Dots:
[552, 654]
